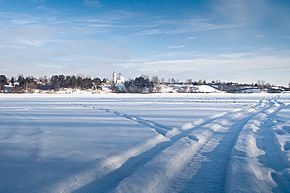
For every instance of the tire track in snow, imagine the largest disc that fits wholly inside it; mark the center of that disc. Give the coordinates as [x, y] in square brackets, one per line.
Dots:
[158, 127]
[107, 181]
[274, 157]
[206, 170]
[169, 131]
[161, 170]
[211, 176]
[247, 172]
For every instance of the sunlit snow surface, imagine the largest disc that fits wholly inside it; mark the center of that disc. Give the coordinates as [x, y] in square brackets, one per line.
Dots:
[144, 143]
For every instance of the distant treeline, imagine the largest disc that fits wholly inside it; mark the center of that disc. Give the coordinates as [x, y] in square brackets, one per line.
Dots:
[141, 84]
[57, 82]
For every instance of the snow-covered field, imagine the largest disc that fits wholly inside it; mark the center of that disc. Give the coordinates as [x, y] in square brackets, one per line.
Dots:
[144, 143]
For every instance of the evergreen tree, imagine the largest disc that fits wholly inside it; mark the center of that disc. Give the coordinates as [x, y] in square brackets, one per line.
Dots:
[3, 81]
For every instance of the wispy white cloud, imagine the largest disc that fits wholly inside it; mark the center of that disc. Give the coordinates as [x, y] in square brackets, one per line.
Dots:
[180, 26]
[175, 46]
[176, 54]
[31, 42]
[63, 66]
[191, 38]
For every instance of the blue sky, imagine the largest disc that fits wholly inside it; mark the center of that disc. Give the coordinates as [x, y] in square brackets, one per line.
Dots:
[228, 40]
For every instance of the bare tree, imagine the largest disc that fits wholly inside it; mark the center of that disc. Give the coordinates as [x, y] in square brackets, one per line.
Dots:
[189, 81]
[155, 79]
[261, 83]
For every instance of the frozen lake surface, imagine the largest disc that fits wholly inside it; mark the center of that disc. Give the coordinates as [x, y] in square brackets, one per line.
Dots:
[144, 143]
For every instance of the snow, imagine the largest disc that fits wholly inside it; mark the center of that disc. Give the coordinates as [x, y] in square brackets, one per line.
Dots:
[173, 142]
[188, 88]
[206, 89]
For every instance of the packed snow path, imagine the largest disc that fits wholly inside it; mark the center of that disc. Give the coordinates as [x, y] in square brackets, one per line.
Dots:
[199, 143]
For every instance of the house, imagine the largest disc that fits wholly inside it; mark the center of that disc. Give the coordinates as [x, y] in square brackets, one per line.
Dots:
[9, 88]
[275, 89]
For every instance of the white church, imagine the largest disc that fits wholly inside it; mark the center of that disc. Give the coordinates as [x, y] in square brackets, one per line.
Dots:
[118, 78]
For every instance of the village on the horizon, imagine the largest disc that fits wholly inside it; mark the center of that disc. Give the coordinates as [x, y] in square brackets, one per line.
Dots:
[64, 84]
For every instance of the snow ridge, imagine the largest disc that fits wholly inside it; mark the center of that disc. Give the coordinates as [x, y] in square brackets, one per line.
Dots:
[246, 172]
